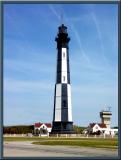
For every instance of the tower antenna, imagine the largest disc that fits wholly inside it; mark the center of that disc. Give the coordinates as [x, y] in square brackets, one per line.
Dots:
[109, 108]
[61, 17]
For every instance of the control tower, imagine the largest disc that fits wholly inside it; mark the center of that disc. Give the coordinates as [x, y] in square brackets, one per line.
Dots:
[105, 116]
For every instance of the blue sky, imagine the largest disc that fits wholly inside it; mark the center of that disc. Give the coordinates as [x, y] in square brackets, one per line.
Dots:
[30, 61]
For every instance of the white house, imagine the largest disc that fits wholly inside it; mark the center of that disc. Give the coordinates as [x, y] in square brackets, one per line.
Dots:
[96, 128]
[101, 128]
[42, 128]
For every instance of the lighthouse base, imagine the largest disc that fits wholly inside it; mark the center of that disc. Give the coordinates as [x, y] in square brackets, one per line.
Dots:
[62, 128]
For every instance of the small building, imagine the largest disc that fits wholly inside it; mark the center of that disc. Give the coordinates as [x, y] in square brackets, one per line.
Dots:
[100, 128]
[96, 128]
[42, 129]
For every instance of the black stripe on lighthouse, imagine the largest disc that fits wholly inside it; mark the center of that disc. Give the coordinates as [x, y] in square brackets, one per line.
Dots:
[68, 68]
[54, 104]
[68, 73]
[59, 64]
[64, 102]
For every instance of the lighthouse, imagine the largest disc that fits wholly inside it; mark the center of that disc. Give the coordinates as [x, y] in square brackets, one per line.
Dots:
[62, 113]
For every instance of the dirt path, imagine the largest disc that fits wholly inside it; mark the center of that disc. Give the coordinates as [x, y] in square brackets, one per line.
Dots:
[26, 149]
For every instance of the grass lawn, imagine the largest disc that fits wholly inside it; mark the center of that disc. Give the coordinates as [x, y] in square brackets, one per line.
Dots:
[98, 143]
[111, 143]
[23, 138]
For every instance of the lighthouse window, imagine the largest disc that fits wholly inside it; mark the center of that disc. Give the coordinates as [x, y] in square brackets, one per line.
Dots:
[64, 103]
[63, 78]
[64, 126]
[63, 54]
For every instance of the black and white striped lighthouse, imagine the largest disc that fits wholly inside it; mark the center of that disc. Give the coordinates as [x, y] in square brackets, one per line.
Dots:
[62, 114]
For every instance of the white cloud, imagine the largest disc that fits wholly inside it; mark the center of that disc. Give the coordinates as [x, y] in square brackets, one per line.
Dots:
[18, 86]
[53, 10]
[29, 67]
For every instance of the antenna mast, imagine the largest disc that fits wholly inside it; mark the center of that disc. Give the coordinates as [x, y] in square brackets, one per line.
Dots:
[61, 17]
[109, 108]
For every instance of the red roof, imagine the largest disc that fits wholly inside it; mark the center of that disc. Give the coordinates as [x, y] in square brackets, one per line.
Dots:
[48, 125]
[92, 125]
[39, 124]
[101, 125]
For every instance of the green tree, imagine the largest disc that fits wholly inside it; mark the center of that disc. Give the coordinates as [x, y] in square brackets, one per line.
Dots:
[78, 129]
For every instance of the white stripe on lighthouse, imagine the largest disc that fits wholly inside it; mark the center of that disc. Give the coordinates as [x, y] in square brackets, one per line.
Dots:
[57, 115]
[69, 115]
[58, 89]
[58, 109]
[69, 90]
[69, 103]
[64, 66]
[58, 103]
